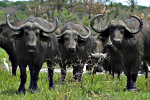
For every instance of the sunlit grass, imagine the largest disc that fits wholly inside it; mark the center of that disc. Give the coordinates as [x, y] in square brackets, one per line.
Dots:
[99, 87]
[102, 87]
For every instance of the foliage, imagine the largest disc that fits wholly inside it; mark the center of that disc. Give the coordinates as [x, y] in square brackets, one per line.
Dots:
[21, 15]
[18, 3]
[3, 4]
[86, 21]
[2, 14]
[65, 16]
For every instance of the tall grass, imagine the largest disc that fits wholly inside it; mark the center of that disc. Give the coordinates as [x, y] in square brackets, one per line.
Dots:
[103, 87]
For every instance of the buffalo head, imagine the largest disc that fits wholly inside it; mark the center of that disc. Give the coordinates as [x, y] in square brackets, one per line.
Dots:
[30, 33]
[117, 30]
[72, 38]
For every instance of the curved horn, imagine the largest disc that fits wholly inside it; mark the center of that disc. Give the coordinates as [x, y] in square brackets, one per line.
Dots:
[35, 24]
[98, 55]
[89, 33]
[74, 31]
[58, 36]
[92, 22]
[52, 29]
[10, 26]
[139, 28]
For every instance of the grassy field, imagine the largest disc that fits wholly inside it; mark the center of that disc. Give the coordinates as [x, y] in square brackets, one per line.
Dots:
[101, 87]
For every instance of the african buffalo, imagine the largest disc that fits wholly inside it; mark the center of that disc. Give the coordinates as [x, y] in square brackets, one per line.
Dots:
[6, 42]
[35, 42]
[132, 47]
[96, 48]
[75, 46]
[114, 59]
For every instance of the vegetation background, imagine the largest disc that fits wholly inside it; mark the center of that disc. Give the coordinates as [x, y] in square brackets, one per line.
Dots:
[96, 87]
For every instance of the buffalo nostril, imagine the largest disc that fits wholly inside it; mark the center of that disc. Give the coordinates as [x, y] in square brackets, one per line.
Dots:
[117, 40]
[109, 45]
[71, 49]
[31, 46]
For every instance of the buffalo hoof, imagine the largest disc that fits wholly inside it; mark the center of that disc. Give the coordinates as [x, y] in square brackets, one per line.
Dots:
[36, 90]
[52, 88]
[126, 89]
[13, 75]
[20, 91]
[132, 89]
[63, 82]
[33, 90]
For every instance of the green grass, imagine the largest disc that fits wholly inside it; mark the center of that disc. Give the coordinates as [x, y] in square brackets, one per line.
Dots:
[3, 54]
[102, 88]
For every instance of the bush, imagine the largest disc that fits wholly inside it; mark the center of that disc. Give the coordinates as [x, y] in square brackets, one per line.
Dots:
[86, 21]
[21, 15]
[18, 3]
[65, 16]
[2, 14]
[3, 4]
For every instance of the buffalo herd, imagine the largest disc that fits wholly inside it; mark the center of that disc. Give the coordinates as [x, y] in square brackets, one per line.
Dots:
[121, 46]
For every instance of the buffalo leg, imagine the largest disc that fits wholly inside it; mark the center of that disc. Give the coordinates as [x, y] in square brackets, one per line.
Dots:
[34, 78]
[74, 73]
[31, 80]
[14, 68]
[118, 75]
[63, 72]
[112, 74]
[23, 77]
[50, 74]
[13, 63]
[133, 84]
[77, 72]
[145, 67]
[129, 81]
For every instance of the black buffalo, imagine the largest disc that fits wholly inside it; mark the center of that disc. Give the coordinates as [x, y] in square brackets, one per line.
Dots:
[75, 47]
[6, 42]
[114, 59]
[35, 42]
[132, 47]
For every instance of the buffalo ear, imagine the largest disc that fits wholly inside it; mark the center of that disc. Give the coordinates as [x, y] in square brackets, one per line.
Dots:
[103, 36]
[17, 35]
[127, 34]
[61, 39]
[82, 42]
[44, 36]
[1, 29]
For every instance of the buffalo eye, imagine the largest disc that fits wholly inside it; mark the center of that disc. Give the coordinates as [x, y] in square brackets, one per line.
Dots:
[66, 37]
[122, 31]
[25, 32]
[111, 30]
[37, 31]
[76, 38]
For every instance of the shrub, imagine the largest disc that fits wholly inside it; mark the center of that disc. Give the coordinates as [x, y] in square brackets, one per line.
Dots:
[65, 16]
[3, 4]
[21, 15]
[2, 14]
[86, 21]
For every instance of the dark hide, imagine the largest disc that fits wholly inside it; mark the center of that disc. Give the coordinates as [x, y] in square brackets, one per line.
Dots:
[33, 49]
[133, 48]
[6, 42]
[75, 54]
[115, 61]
